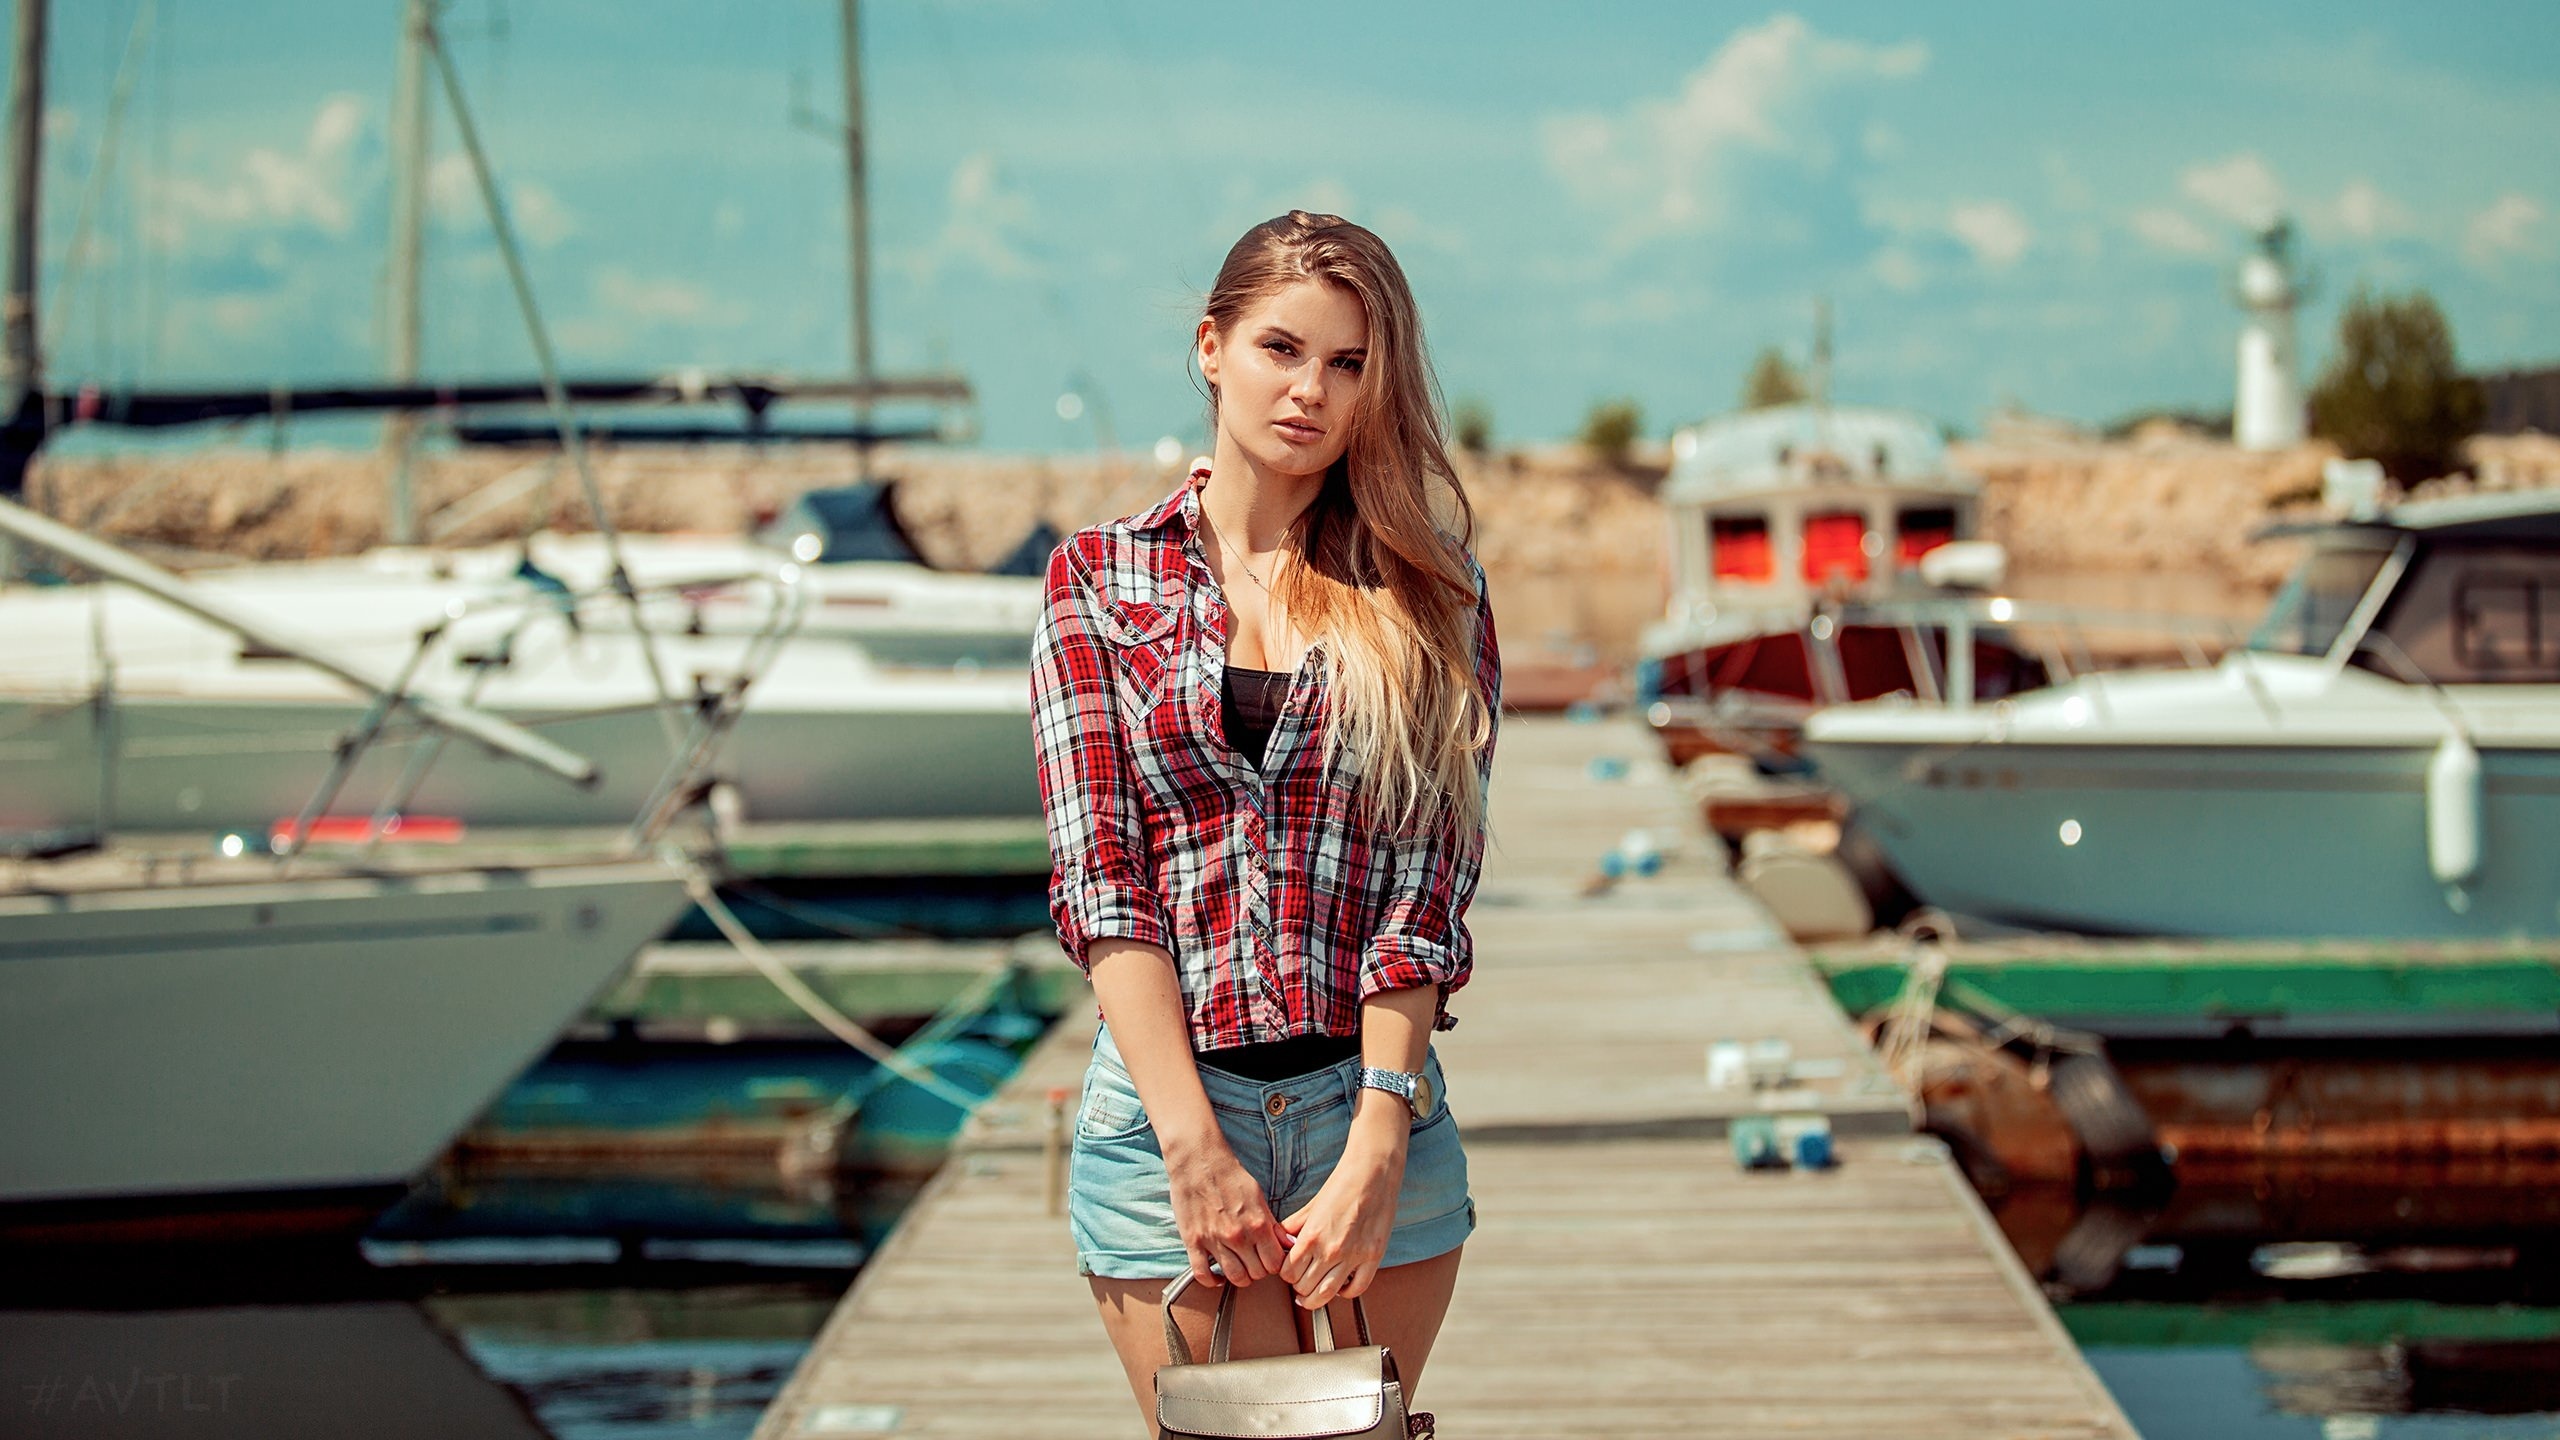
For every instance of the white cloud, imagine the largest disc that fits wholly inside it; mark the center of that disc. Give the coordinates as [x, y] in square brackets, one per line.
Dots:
[1897, 268]
[1993, 230]
[2172, 230]
[625, 305]
[2362, 210]
[2240, 189]
[453, 193]
[2507, 227]
[984, 222]
[654, 300]
[1664, 164]
[541, 220]
[312, 186]
[2069, 188]
[538, 215]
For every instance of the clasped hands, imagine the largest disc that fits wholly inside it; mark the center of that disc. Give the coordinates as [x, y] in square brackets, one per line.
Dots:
[1328, 1250]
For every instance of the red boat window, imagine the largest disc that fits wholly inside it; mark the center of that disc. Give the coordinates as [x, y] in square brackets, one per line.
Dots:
[1921, 531]
[1835, 545]
[1741, 548]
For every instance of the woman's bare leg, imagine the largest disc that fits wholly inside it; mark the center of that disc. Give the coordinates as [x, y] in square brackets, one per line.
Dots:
[1406, 1305]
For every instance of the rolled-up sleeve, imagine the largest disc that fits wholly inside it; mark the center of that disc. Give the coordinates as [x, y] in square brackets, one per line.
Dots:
[1100, 884]
[1422, 934]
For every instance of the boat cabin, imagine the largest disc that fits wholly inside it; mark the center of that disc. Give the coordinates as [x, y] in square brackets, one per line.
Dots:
[2453, 592]
[1798, 536]
[1798, 501]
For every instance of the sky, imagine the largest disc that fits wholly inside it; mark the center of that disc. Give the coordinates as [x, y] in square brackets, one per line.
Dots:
[2004, 204]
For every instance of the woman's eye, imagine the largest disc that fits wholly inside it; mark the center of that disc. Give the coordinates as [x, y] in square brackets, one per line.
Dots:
[1347, 363]
[1278, 347]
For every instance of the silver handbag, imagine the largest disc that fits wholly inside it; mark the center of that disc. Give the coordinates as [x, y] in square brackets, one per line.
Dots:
[1320, 1393]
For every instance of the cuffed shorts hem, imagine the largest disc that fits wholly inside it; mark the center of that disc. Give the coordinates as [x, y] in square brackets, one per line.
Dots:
[1407, 1244]
[1287, 1135]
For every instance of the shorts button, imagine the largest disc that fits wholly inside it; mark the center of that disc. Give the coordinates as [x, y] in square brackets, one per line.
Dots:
[1276, 1104]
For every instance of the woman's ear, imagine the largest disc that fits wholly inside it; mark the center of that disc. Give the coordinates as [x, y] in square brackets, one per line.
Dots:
[1205, 339]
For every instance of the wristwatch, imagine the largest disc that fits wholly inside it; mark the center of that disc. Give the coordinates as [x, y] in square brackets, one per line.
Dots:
[1414, 1088]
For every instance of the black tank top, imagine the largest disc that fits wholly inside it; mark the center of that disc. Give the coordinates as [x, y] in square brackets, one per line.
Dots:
[1254, 698]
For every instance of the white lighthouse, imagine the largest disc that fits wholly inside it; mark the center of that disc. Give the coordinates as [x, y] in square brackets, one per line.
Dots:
[2267, 414]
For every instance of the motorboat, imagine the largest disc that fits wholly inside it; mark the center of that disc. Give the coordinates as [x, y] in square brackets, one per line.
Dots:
[2380, 759]
[1799, 538]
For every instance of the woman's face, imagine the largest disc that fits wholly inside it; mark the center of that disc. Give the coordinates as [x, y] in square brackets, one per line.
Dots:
[1289, 376]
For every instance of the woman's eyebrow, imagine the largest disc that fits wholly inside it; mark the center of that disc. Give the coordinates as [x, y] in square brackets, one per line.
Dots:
[1275, 332]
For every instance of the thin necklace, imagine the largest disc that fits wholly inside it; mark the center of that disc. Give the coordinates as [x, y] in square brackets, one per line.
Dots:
[1230, 551]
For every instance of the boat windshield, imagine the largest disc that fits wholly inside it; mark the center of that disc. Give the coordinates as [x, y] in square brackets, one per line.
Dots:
[2316, 603]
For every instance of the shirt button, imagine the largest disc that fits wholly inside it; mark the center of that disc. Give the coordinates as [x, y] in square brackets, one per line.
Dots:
[1276, 1104]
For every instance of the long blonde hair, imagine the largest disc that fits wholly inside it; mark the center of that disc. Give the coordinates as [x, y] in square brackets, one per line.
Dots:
[1375, 574]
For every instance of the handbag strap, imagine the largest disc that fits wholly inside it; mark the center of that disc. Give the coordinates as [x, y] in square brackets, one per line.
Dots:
[1222, 1325]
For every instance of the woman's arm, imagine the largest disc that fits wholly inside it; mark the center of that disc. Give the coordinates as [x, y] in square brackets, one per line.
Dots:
[1340, 1237]
[1217, 1205]
[1421, 940]
[1102, 884]
[1419, 954]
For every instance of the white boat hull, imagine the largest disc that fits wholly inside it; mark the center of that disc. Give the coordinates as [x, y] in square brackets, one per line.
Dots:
[189, 1043]
[2205, 839]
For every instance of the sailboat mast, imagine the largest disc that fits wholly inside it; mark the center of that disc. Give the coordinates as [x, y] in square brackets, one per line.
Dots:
[24, 371]
[1822, 355]
[408, 233]
[858, 220]
[22, 420]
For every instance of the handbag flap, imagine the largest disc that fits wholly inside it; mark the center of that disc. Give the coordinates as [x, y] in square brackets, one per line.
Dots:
[1284, 1397]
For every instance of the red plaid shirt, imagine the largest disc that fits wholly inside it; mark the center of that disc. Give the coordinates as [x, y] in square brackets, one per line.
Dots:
[1282, 907]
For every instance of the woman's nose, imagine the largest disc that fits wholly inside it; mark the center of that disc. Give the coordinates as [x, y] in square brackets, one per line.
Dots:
[1307, 386]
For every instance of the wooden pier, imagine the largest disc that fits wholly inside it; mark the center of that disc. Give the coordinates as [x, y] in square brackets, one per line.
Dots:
[1626, 1278]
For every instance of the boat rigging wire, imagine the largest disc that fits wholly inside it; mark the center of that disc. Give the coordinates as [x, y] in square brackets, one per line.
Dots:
[75, 259]
[555, 397]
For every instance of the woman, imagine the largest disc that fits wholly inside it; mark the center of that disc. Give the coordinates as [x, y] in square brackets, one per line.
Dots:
[1264, 711]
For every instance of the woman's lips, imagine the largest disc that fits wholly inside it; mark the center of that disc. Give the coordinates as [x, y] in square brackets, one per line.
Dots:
[1297, 430]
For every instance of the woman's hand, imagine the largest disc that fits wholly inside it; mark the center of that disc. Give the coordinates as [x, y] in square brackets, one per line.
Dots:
[1339, 1238]
[1222, 1214]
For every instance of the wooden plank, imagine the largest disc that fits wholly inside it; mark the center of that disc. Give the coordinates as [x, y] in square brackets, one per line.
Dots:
[1626, 1278]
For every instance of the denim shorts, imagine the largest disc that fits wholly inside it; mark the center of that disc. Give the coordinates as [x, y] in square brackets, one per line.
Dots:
[1287, 1134]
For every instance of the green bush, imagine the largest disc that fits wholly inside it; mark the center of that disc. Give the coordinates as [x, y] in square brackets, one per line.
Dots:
[1772, 382]
[2394, 391]
[1472, 419]
[1609, 432]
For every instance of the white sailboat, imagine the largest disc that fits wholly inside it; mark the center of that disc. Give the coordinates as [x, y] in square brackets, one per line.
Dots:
[2382, 759]
[245, 1054]
[202, 732]
[195, 1043]
[903, 693]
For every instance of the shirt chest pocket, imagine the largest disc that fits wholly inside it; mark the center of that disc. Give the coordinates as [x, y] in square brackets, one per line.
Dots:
[1146, 644]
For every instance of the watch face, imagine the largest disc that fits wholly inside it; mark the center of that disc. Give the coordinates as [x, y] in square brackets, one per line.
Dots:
[1424, 1097]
